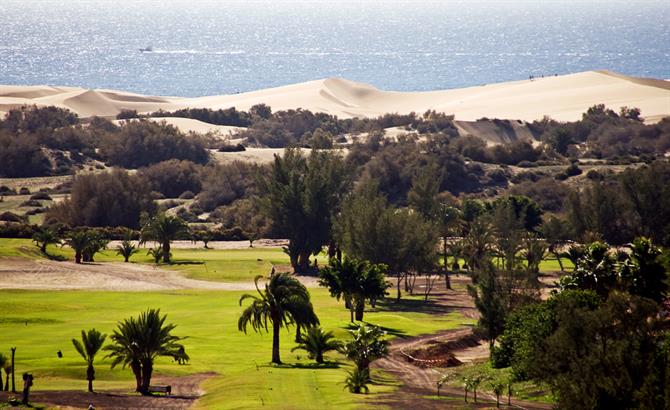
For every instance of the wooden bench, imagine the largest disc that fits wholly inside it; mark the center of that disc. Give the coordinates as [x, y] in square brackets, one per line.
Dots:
[161, 389]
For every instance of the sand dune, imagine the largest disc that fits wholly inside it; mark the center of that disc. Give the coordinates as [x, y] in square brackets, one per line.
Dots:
[561, 97]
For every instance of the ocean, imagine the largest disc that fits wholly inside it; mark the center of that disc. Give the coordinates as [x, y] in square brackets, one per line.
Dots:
[223, 47]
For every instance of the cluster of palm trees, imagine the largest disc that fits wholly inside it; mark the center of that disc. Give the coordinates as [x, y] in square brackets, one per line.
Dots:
[137, 342]
[86, 242]
[284, 301]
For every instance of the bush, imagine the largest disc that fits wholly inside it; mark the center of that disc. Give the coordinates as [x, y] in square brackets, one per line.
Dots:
[173, 177]
[232, 148]
[107, 199]
[24, 191]
[21, 156]
[41, 196]
[127, 114]
[31, 202]
[187, 195]
[141, 143]
[11, 217]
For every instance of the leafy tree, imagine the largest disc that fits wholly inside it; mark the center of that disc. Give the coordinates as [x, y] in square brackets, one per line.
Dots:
[491, 301]
[425, 187]
[367, 345]
[89, 346]
[156, 254]
[357, 380]
[448, 220]
[114, 198]
[79, 240]
[644, 273]
[316, 342]
[556, 232]
[595, 270]
[354, 281]
[283, 302]
[478, 243]
[300, 195]
[368, 229]
[164, 229]
[138, 342]
[44, 237]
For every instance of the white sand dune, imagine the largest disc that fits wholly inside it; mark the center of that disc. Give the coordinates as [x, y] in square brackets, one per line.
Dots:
[563, 98]
[191, 125]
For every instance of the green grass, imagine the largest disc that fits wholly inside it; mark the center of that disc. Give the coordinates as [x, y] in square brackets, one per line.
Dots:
[198, 263]
[526, 390]
[41, 323]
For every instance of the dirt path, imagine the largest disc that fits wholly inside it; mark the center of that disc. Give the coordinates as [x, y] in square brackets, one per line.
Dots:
[44, 274]
[185, 391]
[418, 382]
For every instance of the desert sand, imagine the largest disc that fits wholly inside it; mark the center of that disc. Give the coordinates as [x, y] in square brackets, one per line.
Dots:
[563, 98]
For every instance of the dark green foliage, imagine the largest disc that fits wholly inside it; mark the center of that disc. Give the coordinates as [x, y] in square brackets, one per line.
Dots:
[106, 199]
[357, 380]
[32, 119]
[172, 177]
[369, 229]
[300, 196]
[142, 143]
[316, 342]
[22, 157]
[228, 116]
[283, 302]
[355, 281]
[527, 211]
[226, 183]
[139, 341]
[89, 346]
[367, 344]
[44, 237]
[164, 229]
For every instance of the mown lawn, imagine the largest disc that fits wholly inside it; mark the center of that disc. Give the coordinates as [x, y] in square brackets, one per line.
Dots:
[41, 323]
[227, 265]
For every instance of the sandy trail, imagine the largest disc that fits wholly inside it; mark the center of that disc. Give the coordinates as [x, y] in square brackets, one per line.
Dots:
[185, 391]
[21, 273]
[418, 382]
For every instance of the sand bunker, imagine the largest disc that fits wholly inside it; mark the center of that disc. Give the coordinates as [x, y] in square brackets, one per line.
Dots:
[28, 274]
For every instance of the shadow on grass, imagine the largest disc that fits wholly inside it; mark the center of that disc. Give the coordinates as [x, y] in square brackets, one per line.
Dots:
[411, 305]
[315, 366]
[186, 262]
[389, 330]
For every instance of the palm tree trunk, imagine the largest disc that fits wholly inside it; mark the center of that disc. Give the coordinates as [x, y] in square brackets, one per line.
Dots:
[6, 380]
[446, 263]
[319, 357]
[360, 308]
[137, 371]
[166, 252]
[77, 256]
[398, 286]
[275, 341]
[90, 376]
[147, 370]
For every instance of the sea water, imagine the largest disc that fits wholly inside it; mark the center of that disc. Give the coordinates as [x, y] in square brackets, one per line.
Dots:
[221, 47]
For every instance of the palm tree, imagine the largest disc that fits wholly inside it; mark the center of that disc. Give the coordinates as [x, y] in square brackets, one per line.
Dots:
[354, 281]
[357, 380]
[90, 345]
[156, 253]
[317, 342]
[478, 243]
[7, 367]
[284, 301]
[126, 249]
[164, 229]
[366, 346]
[78, 240]
[139, 341]
[44, 237]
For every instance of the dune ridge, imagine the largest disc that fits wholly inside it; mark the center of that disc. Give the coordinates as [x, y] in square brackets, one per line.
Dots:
[563, 98]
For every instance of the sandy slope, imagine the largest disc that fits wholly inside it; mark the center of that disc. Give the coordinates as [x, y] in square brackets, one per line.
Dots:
[562, 97]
